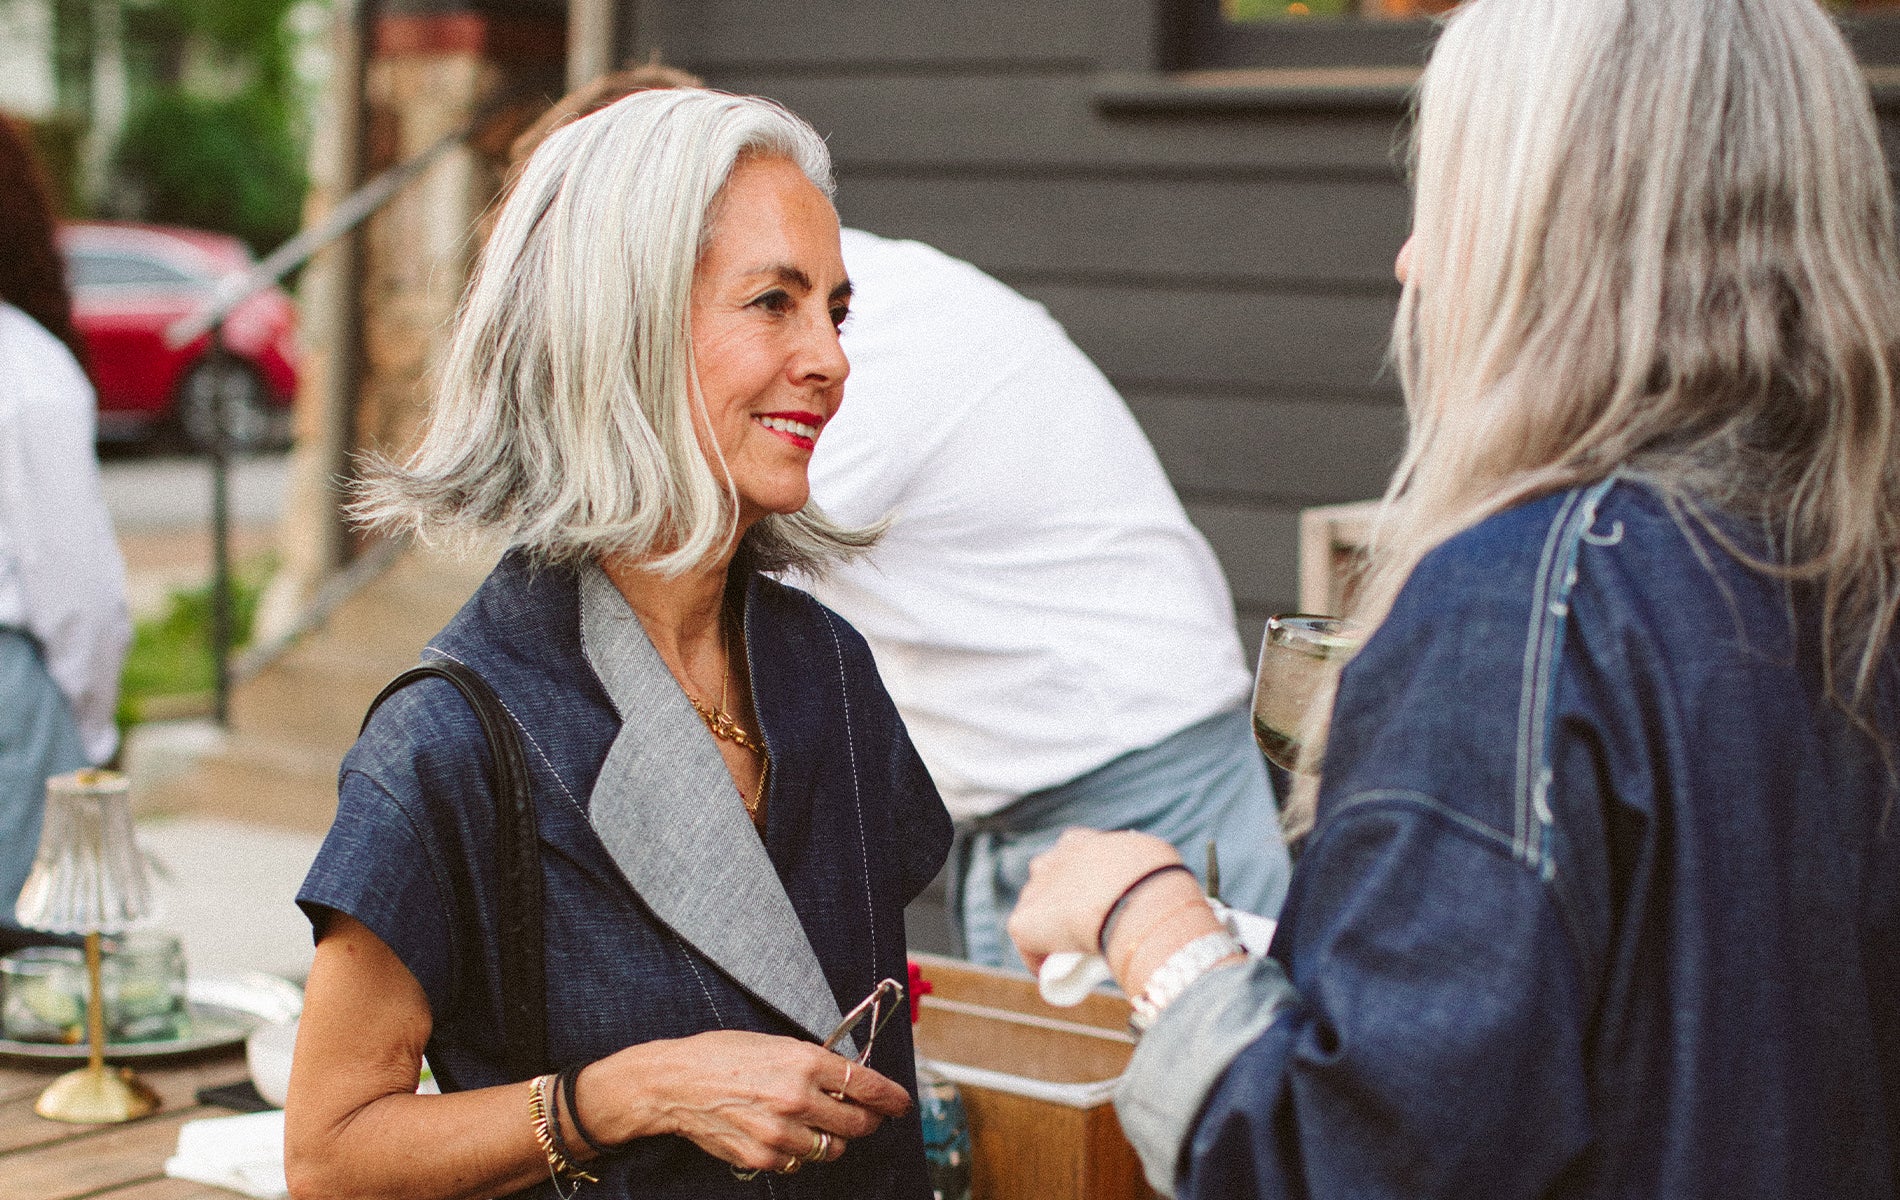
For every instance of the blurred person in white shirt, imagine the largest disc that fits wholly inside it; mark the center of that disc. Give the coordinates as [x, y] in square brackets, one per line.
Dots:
[1057, 635]
[64, 627]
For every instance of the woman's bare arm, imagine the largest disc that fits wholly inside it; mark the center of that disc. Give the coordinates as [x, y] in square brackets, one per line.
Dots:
[356, 1130]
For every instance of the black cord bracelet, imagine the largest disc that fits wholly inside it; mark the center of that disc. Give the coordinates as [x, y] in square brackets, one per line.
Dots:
[569, 1081]
[1115, 909]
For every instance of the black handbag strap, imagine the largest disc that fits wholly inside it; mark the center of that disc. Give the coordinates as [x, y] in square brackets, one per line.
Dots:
[523, 958]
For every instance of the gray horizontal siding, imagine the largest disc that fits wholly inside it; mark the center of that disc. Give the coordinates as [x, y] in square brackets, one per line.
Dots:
[1230, 271]
[806, 34]
[1286, 342]
[1322, 234]
[1048, 121]
[1252, 544]
[1271, 451]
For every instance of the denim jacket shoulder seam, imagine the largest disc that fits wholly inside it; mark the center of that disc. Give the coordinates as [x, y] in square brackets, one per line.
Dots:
[1374, 798]
[1496, 839]
[1533, 820]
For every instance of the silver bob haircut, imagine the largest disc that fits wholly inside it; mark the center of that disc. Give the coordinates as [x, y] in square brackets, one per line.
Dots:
[567, 413]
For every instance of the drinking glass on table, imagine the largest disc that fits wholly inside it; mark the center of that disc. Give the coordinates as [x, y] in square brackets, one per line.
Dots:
[1300, 654]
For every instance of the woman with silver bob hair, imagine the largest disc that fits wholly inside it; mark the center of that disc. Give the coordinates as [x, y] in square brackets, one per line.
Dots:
[654, 989]
[1601, 892]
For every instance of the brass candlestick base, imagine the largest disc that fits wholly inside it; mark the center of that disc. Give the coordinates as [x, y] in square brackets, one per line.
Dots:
[97, 1096]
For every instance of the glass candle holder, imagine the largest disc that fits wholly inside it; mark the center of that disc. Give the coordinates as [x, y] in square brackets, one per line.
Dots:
[144, 984]
[142, 980]
[43, 995]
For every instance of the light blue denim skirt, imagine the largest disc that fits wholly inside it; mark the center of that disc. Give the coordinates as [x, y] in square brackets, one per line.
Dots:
[37, 738]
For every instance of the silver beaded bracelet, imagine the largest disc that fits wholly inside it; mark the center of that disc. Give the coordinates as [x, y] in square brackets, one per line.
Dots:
[1178, 973]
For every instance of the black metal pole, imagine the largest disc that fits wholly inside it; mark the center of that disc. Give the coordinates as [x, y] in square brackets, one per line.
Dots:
[221, 632]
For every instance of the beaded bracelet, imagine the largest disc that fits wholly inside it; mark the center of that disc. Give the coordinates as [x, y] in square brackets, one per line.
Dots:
[1184, 968]
[559, 1168]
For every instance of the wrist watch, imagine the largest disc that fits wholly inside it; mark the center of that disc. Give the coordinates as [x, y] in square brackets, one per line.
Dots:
[1181, 970]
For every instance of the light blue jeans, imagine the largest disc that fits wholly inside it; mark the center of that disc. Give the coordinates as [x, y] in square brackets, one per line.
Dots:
[1205, 783]
[37, 739]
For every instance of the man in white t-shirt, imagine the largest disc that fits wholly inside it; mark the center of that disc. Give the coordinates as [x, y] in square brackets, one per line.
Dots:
[1057, 635]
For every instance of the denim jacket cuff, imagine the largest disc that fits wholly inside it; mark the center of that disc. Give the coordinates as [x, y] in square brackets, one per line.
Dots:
[1180, 1059]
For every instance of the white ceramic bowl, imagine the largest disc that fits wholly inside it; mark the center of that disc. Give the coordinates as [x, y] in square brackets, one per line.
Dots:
[267, 1051]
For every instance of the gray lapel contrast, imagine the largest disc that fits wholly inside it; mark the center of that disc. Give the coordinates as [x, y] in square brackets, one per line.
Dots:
[667, 811]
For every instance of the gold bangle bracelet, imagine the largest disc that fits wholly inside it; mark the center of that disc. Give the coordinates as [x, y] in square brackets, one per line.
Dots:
[559, 1167]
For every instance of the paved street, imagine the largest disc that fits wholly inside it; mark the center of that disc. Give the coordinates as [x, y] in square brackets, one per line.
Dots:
[161, 507]
[152, 493]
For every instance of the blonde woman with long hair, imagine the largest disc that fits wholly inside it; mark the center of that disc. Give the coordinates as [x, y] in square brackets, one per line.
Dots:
[1601, 893]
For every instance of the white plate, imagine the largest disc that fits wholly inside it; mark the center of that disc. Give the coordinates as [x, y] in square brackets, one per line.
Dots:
[224, 1009]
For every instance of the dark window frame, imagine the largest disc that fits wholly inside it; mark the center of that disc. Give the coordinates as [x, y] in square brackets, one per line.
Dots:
[1195, 36]
[1146, 53]
[1200, 38]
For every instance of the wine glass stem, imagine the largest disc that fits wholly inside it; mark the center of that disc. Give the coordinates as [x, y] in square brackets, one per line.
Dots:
[95, 1008]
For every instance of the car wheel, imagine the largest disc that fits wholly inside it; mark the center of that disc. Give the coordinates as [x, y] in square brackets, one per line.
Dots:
[251, 423]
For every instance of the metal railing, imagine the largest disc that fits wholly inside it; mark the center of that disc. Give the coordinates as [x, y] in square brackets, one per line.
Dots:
[225, 372]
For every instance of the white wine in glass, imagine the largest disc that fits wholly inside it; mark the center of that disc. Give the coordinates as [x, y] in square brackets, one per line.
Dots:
[1298, 655]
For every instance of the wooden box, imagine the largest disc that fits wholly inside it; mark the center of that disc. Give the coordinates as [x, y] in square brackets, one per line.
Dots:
[1036, 1082]
[1332, 551]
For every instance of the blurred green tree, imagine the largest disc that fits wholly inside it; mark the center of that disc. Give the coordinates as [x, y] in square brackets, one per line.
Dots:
[216, 133]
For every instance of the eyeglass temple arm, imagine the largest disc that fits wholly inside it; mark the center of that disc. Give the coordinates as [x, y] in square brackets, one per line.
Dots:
[869, 1003]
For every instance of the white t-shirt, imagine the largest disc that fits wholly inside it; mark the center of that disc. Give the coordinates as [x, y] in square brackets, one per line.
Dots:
[1041, 603]
[61, 577]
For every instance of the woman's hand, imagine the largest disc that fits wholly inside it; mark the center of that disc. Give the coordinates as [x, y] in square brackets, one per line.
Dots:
[755, 1100]
[1072, 885]
[355, 1128]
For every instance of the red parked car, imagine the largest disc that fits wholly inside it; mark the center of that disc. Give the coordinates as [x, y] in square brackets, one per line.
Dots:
[131, 282]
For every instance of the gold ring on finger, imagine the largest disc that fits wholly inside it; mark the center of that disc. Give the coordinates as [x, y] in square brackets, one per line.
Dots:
[845, 1086]
[820, 1142]
[791, 1165]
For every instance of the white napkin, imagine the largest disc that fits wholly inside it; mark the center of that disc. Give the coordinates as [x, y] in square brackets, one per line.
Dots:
[1067, 977]
[243, 1153]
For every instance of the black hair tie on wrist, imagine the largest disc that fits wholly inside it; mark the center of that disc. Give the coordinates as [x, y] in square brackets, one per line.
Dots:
[554, 1124]
[1115, 909]
[570, 1083]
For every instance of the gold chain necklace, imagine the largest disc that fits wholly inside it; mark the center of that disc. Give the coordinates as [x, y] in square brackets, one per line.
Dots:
[722, 725]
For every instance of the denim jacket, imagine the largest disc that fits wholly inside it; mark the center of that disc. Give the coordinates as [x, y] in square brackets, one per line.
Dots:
[665, 914]
[1603, 900]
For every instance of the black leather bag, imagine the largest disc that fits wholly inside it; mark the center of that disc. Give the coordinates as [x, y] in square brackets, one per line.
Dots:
[523, 958]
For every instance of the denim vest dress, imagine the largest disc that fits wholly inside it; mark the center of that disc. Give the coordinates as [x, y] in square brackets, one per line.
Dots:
[666, 915]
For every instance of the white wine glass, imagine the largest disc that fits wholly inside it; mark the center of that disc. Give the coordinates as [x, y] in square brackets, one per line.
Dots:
[1300, 653]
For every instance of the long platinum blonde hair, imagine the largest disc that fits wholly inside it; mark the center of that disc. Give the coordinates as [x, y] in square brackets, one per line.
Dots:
[567, 412]
[1656, 236]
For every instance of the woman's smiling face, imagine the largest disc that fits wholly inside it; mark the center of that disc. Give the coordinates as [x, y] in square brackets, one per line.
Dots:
[769, 293]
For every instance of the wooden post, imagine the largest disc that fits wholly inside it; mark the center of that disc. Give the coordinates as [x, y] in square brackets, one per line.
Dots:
[336, 436]
[315, 540]
[590, 41]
